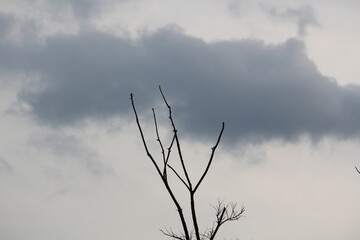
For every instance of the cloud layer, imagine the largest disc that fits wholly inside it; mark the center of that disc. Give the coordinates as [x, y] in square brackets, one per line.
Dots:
[261, 91]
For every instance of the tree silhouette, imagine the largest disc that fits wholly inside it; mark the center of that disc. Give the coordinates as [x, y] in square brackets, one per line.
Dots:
[223, 212]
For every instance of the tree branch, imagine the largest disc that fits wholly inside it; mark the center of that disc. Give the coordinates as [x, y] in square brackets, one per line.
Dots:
[211, 157]
[193, 215]
[160, 143]
[182, 180]
[224, 213]
[142, 136]
[176, 139]
[171, 234]
[357, 170]
[169, 150]
[163, 177]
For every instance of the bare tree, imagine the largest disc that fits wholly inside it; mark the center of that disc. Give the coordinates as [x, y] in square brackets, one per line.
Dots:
[223, 212]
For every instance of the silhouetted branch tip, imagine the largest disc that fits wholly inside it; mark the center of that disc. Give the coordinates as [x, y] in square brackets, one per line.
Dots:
[171, 234]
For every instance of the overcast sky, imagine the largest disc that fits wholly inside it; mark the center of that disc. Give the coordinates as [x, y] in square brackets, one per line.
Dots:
[282, 75]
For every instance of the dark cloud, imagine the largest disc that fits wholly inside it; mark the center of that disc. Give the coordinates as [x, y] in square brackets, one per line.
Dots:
[261, 91]
[14, 52]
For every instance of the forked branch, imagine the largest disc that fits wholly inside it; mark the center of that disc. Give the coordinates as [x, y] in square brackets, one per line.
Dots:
[142, 135]
[176, 139]
[159, 140]
[224, 213]
[180, 178]
[162, 175]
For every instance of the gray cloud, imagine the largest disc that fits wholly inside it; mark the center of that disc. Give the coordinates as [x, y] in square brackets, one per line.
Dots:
[12, 26]
[236, 8]
[61, 145]
[262, 91]
[83, 8]
[6, 24]
[304, 17]
[69, 147]
[80, 8]
[5, 165]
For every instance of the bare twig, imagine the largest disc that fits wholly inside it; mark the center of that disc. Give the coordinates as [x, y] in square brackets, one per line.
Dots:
[357, 170]
[170, 233]
[182, 180]
[169, 150]
[224, 213]
[189, 184]
[176, 139]
[211, 157]
[163, 177]
[158, 139]
[142, 135]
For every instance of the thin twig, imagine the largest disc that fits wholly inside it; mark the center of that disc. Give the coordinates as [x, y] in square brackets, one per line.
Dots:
[159, 140]
[224, 213]
[211, 157]
[142, 136]
[182, 180]
[169, 150]
[171, 234]
[176, 139]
